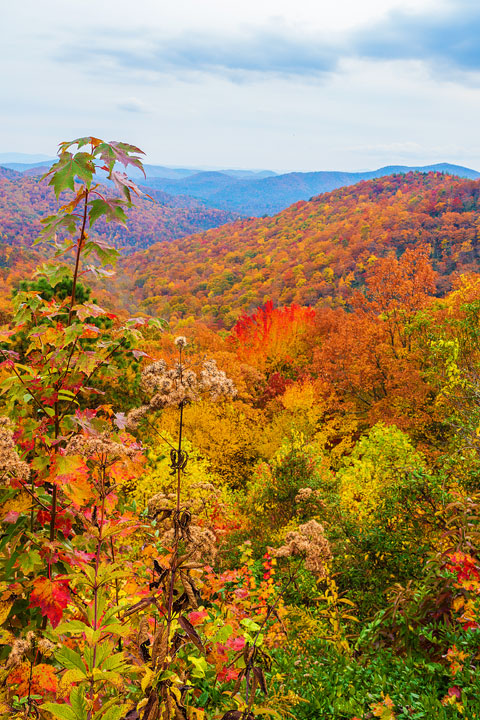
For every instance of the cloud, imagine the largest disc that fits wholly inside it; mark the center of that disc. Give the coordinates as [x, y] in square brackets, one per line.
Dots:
[409, 151]
[446, 40]
[262, 51]
[132, 105]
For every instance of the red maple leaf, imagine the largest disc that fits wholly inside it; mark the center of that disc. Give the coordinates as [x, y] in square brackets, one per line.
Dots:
[41, 680]
[51, 596]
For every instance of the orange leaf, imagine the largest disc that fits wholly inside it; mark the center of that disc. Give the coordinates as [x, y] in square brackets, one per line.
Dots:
[51, 597]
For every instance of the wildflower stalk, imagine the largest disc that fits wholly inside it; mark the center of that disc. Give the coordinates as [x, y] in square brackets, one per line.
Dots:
[100, 522]
[179, 463]
[80, 243]
[179, 470]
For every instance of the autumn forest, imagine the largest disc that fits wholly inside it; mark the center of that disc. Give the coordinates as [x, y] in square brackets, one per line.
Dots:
[239, 457]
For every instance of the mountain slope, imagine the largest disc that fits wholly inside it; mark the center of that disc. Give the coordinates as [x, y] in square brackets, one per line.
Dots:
[24, 200]
[247, 192]
[8, 173]
[313, 253]
[270, 195]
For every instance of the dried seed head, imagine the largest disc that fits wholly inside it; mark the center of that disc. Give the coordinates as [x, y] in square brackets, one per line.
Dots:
[46, 647]
[160, 503]
[303, 495]
[19, 648]
[200, 542]
[134, 416]
[100, 448]
[10, 464]
[180, 384]
[307, 541]
[181, 341]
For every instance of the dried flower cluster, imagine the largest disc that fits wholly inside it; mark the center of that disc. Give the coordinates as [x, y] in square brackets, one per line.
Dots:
[308, 495]
[207, 486]
[307, 541]
[200, 542]
[179, 385]
[21, 646]
[304, 494]
[160, 503]
[100, 448]
[10, 463]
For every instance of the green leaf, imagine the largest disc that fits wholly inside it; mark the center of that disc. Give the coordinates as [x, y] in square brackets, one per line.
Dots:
[111, 713]
[63, 177]
[116, 629]
[77, 700]
[223, 633]
[53, 273]
[200, 666]
[107, 255]
[68, 168]
[29, 561]
[67, 395]
[71, 626]
[98, 207]
[114, 713]
[114, 662]
[67, 464]
[103, 652]
[62, 712]
[70, 659]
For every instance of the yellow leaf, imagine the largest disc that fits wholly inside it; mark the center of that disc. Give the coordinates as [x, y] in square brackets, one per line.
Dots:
[6, 637]
[5, 606]
[458, 603]
[267, 711]
[21, 503]
[142, 704]
[147, 679]
[70, 677]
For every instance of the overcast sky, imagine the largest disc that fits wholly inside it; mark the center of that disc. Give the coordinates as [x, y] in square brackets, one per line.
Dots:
[278, 84]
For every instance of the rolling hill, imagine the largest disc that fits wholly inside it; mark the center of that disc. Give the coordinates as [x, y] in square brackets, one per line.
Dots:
[252, 193]
[24, 200]
[313, 253]
[38, 167]
[269, 195]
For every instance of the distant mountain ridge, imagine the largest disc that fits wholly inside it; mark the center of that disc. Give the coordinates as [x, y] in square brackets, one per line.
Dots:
[26, 164]
[253, 193]
[269, 195]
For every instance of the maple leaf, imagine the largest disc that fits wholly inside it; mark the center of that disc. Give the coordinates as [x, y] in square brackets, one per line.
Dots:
[123, 184]
[51, 596]
[43, 679]
[18, 504]
[120, 420]
[89, 310]
[72, 473]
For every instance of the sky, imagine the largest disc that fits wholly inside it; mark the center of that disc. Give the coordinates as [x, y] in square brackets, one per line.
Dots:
[283, 85]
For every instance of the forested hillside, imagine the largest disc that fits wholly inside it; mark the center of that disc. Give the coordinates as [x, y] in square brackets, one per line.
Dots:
[313, 253]
[24, 200]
